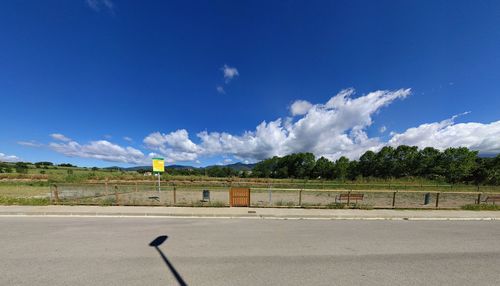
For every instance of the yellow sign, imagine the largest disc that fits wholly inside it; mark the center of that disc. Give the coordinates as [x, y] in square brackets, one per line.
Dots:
[158, 165]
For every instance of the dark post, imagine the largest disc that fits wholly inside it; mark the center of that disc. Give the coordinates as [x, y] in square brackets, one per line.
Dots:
[478, 199]
[175, 199]
[393, 199]
[56, 194]
[437, 200]
[300, 198]
[116, 194]
[348, 197]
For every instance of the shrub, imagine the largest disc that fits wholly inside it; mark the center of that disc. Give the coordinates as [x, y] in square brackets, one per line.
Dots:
[335, 206]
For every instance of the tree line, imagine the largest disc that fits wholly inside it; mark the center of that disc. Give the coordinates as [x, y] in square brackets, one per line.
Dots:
[454, 165]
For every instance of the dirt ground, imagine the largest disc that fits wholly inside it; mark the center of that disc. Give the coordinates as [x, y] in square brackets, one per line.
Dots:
[265, 198]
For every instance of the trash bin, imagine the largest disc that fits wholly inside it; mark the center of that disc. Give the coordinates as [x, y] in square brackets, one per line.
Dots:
[427, 198]
[206, 195]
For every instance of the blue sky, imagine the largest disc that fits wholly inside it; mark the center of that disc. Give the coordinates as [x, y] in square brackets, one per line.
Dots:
[100, 83]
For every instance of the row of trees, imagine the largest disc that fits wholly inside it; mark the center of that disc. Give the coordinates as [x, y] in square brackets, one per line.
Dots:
[453, 165]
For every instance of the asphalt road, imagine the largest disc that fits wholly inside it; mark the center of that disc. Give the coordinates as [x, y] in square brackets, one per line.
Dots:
[115, 251]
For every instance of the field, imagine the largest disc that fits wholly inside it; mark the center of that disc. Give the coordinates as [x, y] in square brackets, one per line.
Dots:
[112, 187]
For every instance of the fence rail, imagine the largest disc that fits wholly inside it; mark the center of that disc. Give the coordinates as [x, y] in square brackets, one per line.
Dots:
[188, 195]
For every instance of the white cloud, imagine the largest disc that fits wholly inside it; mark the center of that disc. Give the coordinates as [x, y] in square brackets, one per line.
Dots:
[8, 158]
[98, 5]
[101, 150]
[300, 107]
[175, 146]
[126, 138]
[60, 137]
[441, 135]
[220, 89]
[229, 73]
[31, 143]
[333, 129]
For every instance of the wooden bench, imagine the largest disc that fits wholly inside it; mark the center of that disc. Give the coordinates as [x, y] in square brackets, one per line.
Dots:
[349, 198]
[493, 199]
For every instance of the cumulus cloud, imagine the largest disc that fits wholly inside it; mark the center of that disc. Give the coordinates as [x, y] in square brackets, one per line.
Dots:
[174, 146]
[60, 137]
[332, 129]
[100, 150]
[126, 138]
[229, 73]
[8, 158]
[300, 107]
[441, 135]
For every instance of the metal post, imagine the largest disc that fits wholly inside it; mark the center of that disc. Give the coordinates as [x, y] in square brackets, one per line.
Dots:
[159, 176]
[478, 199]
[300, 198]
[56, 194]
[116, 194]
[175, 198]
[437, 200]
[394, 199]
[348, 197]
[270, 196]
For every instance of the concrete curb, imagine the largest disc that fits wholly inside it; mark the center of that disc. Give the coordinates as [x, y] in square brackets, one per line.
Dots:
[234, 216]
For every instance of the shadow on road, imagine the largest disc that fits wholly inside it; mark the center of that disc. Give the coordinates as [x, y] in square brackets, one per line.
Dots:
[157, 242]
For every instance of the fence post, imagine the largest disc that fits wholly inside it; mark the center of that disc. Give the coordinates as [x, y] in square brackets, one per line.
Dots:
[394, 199]
[175, 198]
[116, 195]
[348, 197]
[437, 200]
[56, 194]
[478, 199]
[300, 198]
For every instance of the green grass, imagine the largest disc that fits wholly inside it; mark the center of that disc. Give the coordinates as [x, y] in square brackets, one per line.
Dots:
[335, 206]
[24, 201]
[481, 207]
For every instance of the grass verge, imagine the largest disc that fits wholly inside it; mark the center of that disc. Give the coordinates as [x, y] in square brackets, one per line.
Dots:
[481, 207]
[24, 201]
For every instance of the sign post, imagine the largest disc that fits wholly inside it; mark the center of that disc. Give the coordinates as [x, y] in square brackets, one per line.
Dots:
[158, 168]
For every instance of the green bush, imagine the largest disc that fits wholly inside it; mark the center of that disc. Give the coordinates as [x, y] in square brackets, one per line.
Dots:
[335, 206]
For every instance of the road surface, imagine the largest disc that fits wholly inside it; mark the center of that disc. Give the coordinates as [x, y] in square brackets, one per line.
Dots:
[115, 251]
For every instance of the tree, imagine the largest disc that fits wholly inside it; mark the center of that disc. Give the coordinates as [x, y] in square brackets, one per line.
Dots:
[405, 161]
[384, 163]
[323, 169]
[367, 164]
[341, 168]
[21, 167]
[459, 163]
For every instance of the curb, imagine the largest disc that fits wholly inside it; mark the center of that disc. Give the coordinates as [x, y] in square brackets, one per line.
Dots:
[242, 216]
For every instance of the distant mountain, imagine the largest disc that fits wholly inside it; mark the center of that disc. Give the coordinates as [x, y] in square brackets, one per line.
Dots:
[236, 166]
